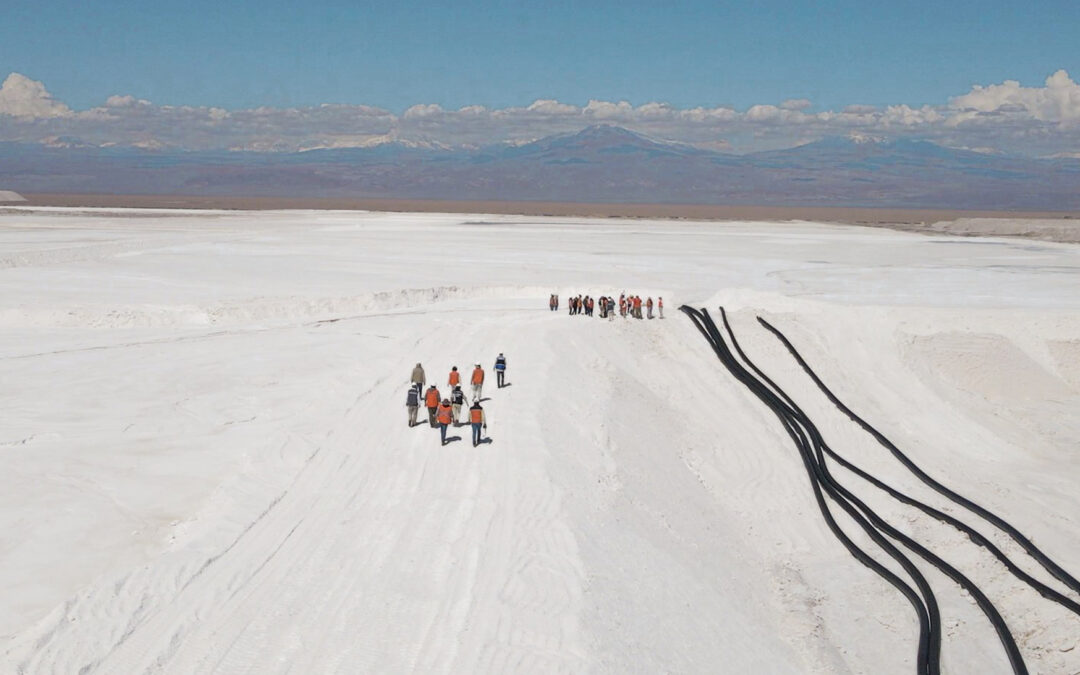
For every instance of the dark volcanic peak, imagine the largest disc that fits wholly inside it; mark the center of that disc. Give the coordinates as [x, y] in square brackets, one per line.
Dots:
[600, 142]
[876, 154]
[609, 134]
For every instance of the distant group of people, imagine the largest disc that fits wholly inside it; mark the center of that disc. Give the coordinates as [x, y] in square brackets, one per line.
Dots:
[443, 412]
[627, 306]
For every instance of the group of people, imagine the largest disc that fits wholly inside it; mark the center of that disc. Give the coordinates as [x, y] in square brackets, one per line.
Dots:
[578, 305]
[443, 412]
[627, 306]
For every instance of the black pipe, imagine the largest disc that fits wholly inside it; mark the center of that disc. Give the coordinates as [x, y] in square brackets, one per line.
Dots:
[797, 426]
[1048, 564]
[984, 603]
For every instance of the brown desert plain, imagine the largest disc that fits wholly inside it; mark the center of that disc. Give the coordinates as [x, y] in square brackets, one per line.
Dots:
[1045, 225]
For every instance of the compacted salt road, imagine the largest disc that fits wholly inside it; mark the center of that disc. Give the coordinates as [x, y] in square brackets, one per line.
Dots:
[207, 467]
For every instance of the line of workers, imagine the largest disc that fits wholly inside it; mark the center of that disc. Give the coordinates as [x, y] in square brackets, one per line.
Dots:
[628, 306]
[442, 412]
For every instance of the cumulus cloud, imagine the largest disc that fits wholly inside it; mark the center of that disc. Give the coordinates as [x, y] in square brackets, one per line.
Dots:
[550, 107]
[605, 110]
[124, 102]
[1057, 101]
[25, 98]
[1039, 121]
[423, 110]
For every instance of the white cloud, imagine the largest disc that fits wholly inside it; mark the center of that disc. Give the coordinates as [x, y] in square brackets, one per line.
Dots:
[907, 116]
[1058, 101]
[423, 110]
[604, 110]
[1037, 121]
[551, 107]
[763, 113]
[124, 102]
[22, 97]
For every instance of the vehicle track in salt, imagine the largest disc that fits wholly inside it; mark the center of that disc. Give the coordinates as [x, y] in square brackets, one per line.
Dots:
[813, 450]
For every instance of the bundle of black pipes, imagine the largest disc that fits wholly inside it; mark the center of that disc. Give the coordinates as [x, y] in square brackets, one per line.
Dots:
[813, 450]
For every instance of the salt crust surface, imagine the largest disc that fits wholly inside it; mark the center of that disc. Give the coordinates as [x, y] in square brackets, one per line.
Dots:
[206, 467]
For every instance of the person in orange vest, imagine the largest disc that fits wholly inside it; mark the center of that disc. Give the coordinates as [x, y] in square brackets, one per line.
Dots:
[477, 419]
[477, 381]
[444, 417]
[431, 400]
[648, 306]
[637, 306]
[455, 377]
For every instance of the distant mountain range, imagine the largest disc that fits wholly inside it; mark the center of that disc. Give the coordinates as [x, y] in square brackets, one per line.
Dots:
[599, 164]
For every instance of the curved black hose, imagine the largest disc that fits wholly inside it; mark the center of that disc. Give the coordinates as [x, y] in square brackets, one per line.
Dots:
[924, 603]
[973, 534]
[984, 603]
[1048, 564]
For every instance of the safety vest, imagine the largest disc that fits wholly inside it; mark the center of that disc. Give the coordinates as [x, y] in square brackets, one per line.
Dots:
[478, 376]
[476, 415]
[444, 416]
[432, 397]
[455, 377]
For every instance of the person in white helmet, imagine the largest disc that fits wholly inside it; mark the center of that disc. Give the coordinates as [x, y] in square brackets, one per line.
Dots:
[477, 381]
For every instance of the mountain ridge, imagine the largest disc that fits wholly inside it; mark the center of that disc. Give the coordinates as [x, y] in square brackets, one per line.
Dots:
[601, 163]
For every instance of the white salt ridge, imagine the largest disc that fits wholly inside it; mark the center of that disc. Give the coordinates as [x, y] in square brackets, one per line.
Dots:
[9, 196]
[206, 466]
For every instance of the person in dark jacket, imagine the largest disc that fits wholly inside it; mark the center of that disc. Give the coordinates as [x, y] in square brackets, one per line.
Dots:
[500, 370]
[412, 402]
[457, 399]
[418, 377]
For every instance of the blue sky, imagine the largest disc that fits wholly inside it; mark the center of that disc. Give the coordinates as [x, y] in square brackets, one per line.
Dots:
[497, 54]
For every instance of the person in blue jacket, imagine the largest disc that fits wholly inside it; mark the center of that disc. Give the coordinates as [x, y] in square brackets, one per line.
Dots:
[500, 370]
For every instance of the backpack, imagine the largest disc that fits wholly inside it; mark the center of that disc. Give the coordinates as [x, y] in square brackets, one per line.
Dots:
[500, 363]
[413, 397]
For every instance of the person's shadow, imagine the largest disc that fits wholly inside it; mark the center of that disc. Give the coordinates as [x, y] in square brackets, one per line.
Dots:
[451, 439]
[486, 439]
[504, 385]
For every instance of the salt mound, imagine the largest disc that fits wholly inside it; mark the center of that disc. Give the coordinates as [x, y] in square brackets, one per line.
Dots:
[9, 196]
